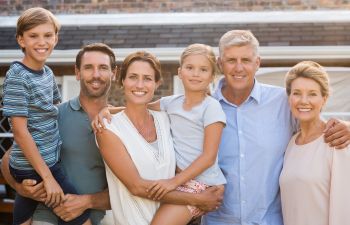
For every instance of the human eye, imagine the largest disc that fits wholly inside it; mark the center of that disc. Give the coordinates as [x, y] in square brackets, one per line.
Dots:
[246, 60]
[204, 69]
[33, 35]
[188, 67]
[48, 35]
[148, 78]
[104, 67]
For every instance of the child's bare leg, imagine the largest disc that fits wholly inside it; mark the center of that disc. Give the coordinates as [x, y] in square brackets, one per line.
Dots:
[28, 222]
[172, 215]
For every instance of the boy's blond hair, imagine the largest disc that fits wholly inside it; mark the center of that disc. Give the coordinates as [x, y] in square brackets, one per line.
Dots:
[34, 17]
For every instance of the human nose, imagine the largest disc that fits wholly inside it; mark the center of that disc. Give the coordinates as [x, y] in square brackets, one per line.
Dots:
[139, 83]
[304, 99]
[41, 40]
[96, 72]
[238, 65]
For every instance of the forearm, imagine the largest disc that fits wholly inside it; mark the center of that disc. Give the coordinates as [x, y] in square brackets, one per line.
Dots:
[6, 171]
[99, 200]
[197, 167]
[115, 109]
[31, 152]
[180, 198]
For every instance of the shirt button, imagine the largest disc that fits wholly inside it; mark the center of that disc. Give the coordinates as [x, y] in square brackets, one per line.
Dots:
[243, 202]
[242, 178]
[242, 155]
[240, 132]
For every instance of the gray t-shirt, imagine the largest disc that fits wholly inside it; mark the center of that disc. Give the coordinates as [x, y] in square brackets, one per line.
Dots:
[80, 158]
[187, 128]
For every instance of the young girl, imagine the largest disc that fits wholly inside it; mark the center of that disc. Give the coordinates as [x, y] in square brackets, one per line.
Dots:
[196, 121]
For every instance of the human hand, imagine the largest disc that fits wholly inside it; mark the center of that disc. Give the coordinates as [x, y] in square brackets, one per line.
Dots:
[210, 199]
[53, 191]
[159, 188]
[337, 134]
[97, 123]
[72, 207]
[30, 189]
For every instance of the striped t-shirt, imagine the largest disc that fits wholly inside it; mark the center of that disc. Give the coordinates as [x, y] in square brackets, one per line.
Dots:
[32, 94]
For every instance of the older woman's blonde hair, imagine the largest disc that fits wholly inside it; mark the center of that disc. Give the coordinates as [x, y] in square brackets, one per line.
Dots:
[310, 70]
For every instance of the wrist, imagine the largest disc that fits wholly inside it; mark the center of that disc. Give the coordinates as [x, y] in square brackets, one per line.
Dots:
[88, 201]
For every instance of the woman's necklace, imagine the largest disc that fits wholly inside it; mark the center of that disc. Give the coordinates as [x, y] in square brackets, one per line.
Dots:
[147, 128]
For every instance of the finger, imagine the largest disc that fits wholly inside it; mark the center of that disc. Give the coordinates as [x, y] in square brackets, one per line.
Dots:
[162, 195]
[100, 122]
[330, 123]
[149, 189]
[333, 134]
[158, 193]
[340, 143]
[109, 118]
[48, 199]
[29, 182]
[153, 192]
[93, 126]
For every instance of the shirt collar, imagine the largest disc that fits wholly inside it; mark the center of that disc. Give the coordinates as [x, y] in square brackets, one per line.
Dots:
[254, 94]
[75, 103]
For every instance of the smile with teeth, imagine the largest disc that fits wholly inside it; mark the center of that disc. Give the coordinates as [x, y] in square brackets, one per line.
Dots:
[238, 76]
[95, 84]
[41, 50]
[304, 109]
[139, 93]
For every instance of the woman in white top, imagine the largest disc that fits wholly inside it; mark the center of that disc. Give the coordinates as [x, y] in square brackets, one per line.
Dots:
[315, 180]
[137, 147]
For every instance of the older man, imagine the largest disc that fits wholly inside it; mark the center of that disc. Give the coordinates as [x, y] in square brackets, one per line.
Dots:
[259, 127]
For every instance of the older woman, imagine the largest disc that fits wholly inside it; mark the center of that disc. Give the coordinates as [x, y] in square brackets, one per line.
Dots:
[137, 147]
[314, 181]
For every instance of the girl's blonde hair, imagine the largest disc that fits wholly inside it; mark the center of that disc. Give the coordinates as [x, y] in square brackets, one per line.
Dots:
[310, 70]
[200, 49]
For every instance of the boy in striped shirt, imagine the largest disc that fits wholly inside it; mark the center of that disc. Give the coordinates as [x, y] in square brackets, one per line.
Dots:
[30, 95]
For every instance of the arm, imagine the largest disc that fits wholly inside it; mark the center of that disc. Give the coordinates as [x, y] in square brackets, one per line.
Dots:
[337, 133]
[339, 187]
[25, 141]
[124, 168]
[154, 105]
[75, 205]
[212, 137]
[28, 188]
[97, 123]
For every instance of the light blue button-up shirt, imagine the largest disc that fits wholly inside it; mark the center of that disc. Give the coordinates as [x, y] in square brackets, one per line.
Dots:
[251, 156]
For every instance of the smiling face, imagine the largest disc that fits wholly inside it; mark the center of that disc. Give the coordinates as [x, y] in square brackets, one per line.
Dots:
[95, 74]
[239, 65]
[196, 73]
[38, 43]
[306, 100]
[139, 83]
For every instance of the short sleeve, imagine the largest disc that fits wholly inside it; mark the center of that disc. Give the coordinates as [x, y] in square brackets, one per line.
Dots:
[56, 93]
[213, 113]
[165, 102]
[16, 95]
